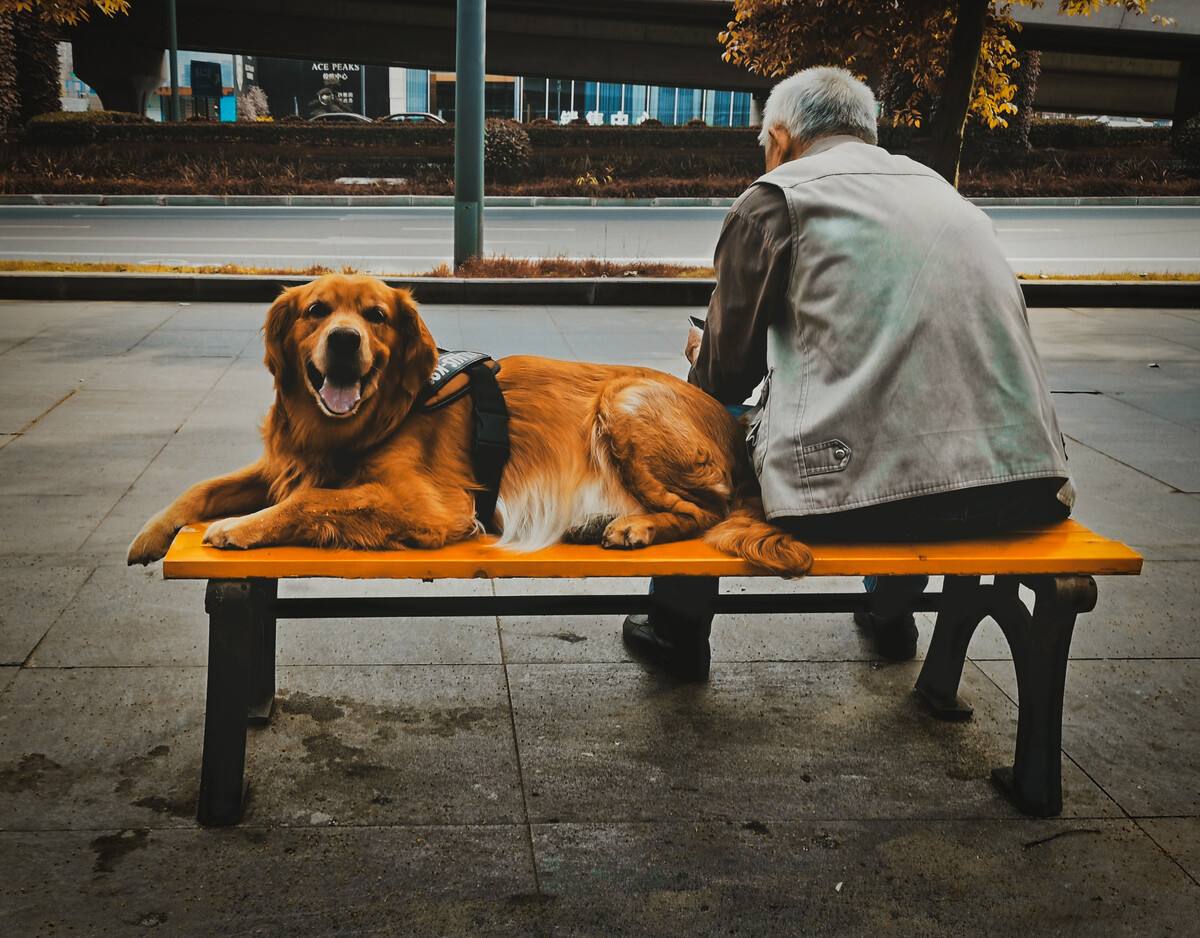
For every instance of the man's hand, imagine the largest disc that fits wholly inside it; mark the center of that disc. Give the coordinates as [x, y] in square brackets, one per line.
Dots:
[691, 348]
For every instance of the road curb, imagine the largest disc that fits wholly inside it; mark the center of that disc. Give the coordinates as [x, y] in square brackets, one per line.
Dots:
[564, 291]
[524, 201]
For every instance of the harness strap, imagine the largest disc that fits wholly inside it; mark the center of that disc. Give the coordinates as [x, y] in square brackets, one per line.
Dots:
[443, 388]
[490, 444]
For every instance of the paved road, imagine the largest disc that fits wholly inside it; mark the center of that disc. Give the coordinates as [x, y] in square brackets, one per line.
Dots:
[408, 240]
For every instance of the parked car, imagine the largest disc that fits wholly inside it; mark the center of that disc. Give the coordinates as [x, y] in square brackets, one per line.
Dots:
[1124, 121]
[339, 117]
[411, 117]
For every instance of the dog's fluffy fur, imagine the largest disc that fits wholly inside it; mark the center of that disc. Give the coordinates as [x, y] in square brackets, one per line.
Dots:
[621, 456]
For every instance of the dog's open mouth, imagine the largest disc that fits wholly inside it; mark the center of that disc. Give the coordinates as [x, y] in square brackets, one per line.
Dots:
[341, 395]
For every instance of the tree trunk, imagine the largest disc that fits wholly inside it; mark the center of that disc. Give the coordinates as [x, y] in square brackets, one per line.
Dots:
[10, 98]
[946, 127]
[37, 66]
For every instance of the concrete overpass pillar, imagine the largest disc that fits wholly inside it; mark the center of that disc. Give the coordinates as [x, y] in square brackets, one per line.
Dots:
[758, 100]
[1187, 92]
[123, 77]
[121, 56]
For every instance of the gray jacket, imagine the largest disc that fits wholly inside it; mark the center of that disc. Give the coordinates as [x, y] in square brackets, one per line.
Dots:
[897, 353]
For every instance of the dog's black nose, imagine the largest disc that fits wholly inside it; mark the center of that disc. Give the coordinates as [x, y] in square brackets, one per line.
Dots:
[344, 341]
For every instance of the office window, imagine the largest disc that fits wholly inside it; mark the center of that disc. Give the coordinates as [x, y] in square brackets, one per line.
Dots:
[416, 89]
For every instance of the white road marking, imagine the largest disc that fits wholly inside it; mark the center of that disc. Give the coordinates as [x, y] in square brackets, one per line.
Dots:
[334, 240]
[1026, 230]
[40, 226]
[1127, 259]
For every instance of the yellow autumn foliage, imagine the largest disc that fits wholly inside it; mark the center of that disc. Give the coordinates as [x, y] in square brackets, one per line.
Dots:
[883, 39]
[68, 12]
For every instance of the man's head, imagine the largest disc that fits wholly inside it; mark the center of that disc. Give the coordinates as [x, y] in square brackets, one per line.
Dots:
[815, 103]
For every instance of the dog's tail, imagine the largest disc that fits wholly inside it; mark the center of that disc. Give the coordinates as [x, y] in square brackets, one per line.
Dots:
[747, 533]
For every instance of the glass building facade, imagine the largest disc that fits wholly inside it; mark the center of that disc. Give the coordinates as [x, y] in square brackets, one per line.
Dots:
[290, 85]
[557, 99]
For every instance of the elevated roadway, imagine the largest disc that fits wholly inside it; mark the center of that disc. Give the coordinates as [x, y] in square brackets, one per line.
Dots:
[1110, 62]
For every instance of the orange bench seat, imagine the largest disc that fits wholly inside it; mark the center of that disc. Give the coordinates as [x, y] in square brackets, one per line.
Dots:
[1065, 548]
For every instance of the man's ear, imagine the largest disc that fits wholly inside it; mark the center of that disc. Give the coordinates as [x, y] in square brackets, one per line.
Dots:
[280, 317]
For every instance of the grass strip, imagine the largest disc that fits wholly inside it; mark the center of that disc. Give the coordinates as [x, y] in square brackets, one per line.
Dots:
[495, 267]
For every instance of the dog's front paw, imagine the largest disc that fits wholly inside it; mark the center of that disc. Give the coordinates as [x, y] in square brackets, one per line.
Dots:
[628, 533]
[231, 534]
[152, 542]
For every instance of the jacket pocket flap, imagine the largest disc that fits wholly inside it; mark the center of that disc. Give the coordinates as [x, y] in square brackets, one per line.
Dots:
[831, 456]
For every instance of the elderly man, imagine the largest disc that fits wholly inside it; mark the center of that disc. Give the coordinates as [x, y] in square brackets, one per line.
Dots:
[902, 397]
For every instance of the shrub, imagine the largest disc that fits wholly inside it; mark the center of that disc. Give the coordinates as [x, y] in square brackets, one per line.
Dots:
[506, 148]
[651, 122]
[1077, 134]
[252, 104]
[78, 127]
[76, 118]
[696, 122]
[1186, 142]
[543, 122]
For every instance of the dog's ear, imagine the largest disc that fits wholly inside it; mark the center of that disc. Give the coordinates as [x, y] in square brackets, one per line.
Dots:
[280, 317]
[417, 349]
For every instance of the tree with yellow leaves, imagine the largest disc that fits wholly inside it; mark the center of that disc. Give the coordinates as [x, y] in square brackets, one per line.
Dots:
[67, 12]
[29, 56]
[954, 57]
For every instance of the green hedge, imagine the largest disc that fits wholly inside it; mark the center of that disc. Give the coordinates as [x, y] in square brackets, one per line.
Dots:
[1073, 135]
[66, 131]
[113, 126]
[109, 145]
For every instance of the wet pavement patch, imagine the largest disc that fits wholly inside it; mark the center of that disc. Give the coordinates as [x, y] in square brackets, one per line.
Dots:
[111, 848]
[33, 771]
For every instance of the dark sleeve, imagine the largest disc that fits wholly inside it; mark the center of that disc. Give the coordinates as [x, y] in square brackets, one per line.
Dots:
[753, 265]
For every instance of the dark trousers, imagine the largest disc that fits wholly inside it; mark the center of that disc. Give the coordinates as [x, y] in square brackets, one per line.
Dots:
[683, 603]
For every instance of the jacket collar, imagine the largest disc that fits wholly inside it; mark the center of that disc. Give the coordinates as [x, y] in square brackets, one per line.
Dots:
[828, 143]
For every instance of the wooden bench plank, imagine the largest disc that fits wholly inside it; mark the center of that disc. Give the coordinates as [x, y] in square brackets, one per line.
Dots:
[1065, 548]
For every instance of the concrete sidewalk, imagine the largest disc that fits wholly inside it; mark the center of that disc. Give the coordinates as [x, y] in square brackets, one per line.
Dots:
[521, 776]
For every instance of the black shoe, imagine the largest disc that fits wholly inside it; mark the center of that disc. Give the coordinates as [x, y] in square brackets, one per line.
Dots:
[894, 639]
[684, 656]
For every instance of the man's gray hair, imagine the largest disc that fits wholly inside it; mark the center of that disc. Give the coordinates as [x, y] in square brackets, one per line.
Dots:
[820, 102]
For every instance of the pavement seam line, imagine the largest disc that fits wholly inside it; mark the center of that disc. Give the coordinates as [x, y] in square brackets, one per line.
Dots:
[166, 320]
[150, 462]
[36, 420]
[512, 720]
[25, 665]
[1137, 823]
[1062, 749]
[714, 820]
[1120, 462]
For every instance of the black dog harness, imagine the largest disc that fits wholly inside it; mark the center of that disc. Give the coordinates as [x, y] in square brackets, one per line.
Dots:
[489, 443]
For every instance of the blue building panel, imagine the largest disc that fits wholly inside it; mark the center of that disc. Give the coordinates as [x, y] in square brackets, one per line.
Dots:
[416, 89]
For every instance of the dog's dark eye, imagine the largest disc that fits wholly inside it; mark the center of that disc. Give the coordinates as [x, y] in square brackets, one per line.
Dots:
[317, 310]
[374, 314]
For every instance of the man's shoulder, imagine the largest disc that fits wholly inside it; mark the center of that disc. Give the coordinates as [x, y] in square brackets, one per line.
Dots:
[764, 207]
[844, 158]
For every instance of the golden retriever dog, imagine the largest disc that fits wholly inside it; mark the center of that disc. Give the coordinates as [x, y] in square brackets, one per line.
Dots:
[621, 456]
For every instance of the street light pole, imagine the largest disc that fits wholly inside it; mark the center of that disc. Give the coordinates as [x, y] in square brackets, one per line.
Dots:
[468, 130]
[174, 53]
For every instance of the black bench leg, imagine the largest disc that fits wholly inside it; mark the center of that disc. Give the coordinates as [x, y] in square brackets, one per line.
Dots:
[262, 666]
[963, 607]
[234, 609]
[1040, 642]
